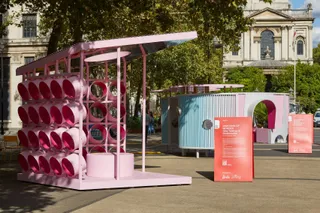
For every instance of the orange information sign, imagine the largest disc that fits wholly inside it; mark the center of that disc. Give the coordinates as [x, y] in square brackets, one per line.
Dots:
[233, 152]
[300, 133]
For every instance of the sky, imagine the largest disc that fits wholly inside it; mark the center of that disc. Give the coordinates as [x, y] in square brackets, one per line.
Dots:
[296, 4]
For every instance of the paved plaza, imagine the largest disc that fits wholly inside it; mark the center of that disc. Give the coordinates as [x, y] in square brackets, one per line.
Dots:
[283, 183]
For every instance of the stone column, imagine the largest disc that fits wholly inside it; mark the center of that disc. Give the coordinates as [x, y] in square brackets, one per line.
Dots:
[246, 46]
[284, 44]
[277, 49]
[259, 49]
[250, 43]
[310, 46]
[255, 51]
[290, 39]
[242, 42]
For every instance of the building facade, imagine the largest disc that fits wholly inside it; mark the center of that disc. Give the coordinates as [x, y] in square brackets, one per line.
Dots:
[279, 37]
[21, 45]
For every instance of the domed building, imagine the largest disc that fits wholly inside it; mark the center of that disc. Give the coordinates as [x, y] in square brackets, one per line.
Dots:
[279, 36]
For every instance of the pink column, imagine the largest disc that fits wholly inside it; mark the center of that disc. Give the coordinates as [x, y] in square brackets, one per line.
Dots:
[81, 117]
[118, 111]
[144, 57]
[125, 100]
[106, 104]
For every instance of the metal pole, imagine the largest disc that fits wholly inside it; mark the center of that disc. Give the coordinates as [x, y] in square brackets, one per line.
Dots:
[294, 68]
[2, 96]
[294, 81]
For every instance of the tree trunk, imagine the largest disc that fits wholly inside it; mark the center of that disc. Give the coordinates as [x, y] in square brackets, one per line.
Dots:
[55, 36]
[137, 104]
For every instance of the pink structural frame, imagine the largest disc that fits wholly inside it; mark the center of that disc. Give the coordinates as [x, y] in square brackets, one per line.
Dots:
[82, 50]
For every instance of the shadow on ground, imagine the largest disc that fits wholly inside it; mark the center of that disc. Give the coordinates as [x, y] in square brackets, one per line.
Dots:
[207, 174]
[17, 196]
[148, 167]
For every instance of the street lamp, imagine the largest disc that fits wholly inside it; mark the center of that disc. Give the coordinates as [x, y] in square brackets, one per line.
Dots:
[290, 92]
[2, 88]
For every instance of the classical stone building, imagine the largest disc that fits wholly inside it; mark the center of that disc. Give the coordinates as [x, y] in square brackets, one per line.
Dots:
[21, 45]
[280, 36]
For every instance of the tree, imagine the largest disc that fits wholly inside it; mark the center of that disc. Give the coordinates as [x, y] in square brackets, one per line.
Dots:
[316, 54]
[261, 115]
[181, 65]
[252, 78]
[70, 21]
[4, 6]
[307, 81]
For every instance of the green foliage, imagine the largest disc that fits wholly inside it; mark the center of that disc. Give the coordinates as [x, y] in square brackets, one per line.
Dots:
[4, 6]
[252, 78]
[183, 64]
[261, 115]
[316, 54]
[133, 123]
[71, 21]
[222, 19]
[308, 84]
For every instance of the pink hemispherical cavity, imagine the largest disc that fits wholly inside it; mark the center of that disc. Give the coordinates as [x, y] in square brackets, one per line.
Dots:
[72, 87]
[71, 113]
[34, 90]
[98, 90]
[98, 149]
[68, 141]
[44, 114]
[68, 168]
[84, 153]
[56, 88]
[85, 130]
[113, 90]
[23, 161]
[71, 138]
[33, 138]
[55, 138]
[114, 149]
[98, 133]
[44, 165]
[44, 139]
[44, 87]
[70, 164]
[23, 137]
[97, 112]
[55, 166]
[112, 115]
[33, 114]
[112, 136]
[33, 163]
[56, 115]
[23, 91]
[23, 114]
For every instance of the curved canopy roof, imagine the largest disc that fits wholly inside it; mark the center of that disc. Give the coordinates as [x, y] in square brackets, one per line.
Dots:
[150, 44]
[211, 87]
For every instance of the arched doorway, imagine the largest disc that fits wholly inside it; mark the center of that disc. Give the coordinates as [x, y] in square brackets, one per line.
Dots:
[264, 117]
[267, 45]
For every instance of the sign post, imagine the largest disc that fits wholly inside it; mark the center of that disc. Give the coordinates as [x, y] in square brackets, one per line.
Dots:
[300, 133]
[233, 154]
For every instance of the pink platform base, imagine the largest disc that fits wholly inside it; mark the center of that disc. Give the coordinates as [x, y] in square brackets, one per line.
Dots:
[139, 179]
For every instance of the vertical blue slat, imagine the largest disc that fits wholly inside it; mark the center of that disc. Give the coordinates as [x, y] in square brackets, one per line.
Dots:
[164, 120]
